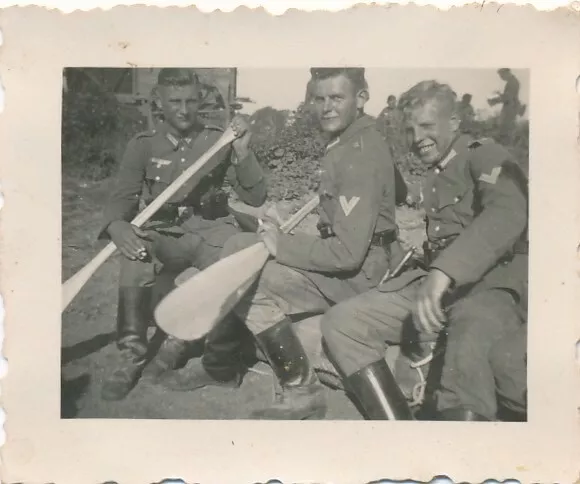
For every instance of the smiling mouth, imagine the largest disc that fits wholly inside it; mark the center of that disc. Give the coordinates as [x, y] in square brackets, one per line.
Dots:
[425, 149]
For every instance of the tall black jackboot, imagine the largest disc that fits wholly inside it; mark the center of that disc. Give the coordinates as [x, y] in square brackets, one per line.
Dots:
[460, 414]
[132, 322]
[378, 394]
[302, 395]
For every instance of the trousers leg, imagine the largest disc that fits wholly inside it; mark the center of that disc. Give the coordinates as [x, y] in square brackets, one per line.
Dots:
[225, 342]
[229, 339]
[508, 358]
[476, 323]
[280, 291]
[357, 331]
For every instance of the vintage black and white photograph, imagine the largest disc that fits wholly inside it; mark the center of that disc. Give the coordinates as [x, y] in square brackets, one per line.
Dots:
[331, 247]
[293, 244]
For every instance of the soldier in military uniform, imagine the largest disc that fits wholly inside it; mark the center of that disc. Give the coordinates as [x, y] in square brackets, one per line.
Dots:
[188, 231]
[474, 287]
[308, 273]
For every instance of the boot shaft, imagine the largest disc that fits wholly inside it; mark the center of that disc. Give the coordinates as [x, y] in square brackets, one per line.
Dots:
[375, 389]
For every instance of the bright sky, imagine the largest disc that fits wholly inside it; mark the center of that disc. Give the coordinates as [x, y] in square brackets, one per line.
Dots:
[285, 88]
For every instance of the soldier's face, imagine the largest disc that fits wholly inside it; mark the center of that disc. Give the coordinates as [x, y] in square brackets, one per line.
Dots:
[180, 105]
[336, 103]
[431, 128]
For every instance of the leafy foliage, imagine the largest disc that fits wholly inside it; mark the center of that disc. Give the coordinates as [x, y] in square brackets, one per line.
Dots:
[290, 149]
[95, 131]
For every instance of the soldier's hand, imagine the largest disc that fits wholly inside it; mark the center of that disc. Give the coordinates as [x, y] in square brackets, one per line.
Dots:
[241, 126]
[128, 239]
[429, 316]
[269, 232]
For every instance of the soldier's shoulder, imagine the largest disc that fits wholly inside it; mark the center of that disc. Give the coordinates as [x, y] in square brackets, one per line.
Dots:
[488, 150]
[372, 145]
[144, 135]
[213, 127]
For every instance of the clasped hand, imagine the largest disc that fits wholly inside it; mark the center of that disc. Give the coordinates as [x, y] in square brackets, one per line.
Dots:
[129, 239]
[241, 126]
[269, 230]
[429, 315]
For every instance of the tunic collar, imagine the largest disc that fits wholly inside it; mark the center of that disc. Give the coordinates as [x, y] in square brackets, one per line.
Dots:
[460, 145]
[175, 140]
[358, 125]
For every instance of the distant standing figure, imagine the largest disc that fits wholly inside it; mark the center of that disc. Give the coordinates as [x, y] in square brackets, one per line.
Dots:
[390, 119]
[466, 114]
[511, 109]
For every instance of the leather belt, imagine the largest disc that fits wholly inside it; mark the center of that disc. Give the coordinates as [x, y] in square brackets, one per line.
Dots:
[384, 238]
[174, 213]
[432, 250]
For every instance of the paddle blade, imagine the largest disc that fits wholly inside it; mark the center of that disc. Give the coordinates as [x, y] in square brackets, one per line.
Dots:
[194, 307]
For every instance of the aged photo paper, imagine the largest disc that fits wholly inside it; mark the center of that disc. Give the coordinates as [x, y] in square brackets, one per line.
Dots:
[392, 160]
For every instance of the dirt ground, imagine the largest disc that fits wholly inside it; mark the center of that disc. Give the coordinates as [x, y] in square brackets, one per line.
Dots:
[88, 331]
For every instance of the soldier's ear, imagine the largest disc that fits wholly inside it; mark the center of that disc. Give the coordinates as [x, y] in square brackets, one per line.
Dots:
[454, 122]
[362, 98]
[155, 99]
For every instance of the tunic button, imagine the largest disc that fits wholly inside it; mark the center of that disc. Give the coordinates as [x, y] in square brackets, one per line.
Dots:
[437, 170]
[437, 228]
[434, 190]
[183, 148]
[182, 160]
[433, 209]
[456, 199]
[157, 178]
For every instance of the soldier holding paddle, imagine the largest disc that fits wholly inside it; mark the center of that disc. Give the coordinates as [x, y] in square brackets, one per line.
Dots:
[308, 273]
[188, 231]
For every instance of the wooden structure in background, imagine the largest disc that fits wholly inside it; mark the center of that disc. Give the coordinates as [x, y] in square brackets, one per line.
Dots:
[134, 86]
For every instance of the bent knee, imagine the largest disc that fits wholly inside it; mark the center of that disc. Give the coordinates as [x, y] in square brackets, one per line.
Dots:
[338, 322]
[238, 242]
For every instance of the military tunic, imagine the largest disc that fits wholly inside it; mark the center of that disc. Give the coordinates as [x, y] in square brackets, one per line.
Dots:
[476, 214]
[192, 227]
[189, 229]
[357, 216]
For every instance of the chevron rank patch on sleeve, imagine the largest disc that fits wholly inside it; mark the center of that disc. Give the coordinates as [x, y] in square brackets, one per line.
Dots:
[492, 177]
[348, 205]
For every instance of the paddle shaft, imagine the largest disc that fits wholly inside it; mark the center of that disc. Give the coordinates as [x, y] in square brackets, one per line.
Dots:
[74, 285]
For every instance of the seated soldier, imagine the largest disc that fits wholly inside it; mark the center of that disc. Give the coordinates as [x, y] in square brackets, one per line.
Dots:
[308, 273]
[189, 230]
[475, 285]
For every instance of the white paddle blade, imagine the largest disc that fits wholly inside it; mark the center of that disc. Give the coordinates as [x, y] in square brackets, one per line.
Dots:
[193, 308]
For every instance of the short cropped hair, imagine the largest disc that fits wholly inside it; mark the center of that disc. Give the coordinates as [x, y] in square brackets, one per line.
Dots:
[504, 70]
[393, 97]
[426, 91]
[176, 76]
[355, 74]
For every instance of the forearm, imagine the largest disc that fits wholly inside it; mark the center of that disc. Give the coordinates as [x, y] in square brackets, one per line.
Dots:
[310, 252]
[248, 180]
[479, 248]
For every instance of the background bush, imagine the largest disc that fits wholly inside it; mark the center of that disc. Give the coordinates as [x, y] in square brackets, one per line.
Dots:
[289, 146]
[95, 131]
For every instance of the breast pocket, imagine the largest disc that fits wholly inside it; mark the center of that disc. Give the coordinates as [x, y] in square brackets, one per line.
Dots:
[159, 176]
[455, 205]
[451, 197]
